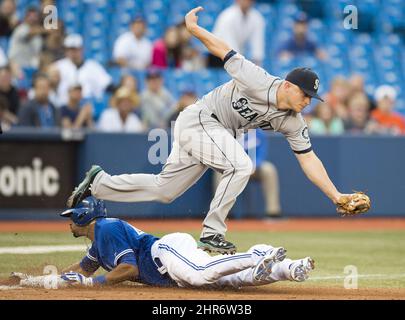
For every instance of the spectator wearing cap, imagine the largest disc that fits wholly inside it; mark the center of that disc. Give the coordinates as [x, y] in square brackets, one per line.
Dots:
[8, 91]
[76, 114]
[91, 75]
[241, 25]
[299, 43]
[389, 121]
[26, 41]
[130, 82]
[132, 49]
[39, 111]
[121, 117]
[157, 104]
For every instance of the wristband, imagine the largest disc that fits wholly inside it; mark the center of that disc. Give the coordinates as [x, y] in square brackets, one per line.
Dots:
[99, 280]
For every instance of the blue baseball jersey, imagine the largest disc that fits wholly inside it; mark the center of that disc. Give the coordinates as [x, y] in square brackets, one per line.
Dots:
[115, 242]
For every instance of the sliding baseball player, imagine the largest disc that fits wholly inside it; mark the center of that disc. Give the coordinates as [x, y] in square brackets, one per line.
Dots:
[129, 254]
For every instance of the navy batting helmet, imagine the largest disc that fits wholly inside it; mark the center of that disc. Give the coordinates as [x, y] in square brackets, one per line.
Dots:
[86, 211]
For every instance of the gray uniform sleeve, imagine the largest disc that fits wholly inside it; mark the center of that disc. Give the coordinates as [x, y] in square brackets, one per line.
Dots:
[295, 129]
[249, 77]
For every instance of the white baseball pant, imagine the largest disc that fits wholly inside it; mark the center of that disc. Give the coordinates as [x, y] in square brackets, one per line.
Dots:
[189, 266]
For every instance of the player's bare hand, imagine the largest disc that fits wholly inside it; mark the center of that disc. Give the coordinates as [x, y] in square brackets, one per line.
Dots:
[191, 18]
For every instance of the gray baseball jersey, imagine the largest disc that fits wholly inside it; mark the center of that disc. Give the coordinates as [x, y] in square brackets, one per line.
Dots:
[249, 101]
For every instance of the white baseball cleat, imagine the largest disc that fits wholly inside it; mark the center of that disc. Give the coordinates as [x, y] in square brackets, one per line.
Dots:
[264, 268]
[300, 269]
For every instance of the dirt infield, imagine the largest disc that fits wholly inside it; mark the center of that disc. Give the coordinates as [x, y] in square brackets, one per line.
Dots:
[269, 292]
[169, 225]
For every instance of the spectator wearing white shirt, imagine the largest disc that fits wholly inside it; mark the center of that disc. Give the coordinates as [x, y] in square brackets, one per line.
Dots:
[121, 117]
[26, 41]
[132, 49]
[240, 25]
[91, 75]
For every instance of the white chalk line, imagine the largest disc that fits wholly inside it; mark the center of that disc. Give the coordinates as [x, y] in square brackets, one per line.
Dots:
[363, 276]
[4, 288]
[42, 249]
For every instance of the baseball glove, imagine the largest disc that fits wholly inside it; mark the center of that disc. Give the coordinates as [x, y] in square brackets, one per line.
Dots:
[353, 204]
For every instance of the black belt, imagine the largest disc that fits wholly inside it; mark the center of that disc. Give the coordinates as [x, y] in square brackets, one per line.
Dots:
[158, 262]
[213, 115]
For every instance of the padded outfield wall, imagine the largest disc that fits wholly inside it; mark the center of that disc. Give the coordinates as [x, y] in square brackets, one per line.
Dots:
[38, 170]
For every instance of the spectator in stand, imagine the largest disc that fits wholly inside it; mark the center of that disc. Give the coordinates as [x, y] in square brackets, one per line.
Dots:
[300, 43]
[93, 78]
[39, 111]
[187, 98]
[26, 41]
[358, 120]
[240, 25]
[8, 18]
[53, 74]
[7, 119]
[191, 59]
[76, 114]
[129, 82]
[53, 46]
[356, 82]
[121, 117]
[167, 50]
[325, 122]
[132, 49]
[8, 91]
[338, 96]
[389, 121]
[157, 104]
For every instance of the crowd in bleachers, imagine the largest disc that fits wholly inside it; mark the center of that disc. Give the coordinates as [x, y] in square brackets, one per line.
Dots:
[131, 65]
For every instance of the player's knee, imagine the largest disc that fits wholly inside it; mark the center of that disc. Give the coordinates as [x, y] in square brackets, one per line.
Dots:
[244, 167]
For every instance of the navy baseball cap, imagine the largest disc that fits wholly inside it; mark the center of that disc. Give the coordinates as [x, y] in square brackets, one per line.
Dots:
[306, 79]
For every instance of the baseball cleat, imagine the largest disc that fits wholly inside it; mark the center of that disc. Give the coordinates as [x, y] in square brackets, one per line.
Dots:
[216, 244]
[300, 269]
[83, 190]
[264, 268]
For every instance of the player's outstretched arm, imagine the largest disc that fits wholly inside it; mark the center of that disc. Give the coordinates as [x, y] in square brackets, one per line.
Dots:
[316, 172]
[215, 46]
[122, 272]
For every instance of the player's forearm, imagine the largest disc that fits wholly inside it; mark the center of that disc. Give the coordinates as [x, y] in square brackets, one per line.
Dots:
[316, 173]
[123, 272]
[215, 46]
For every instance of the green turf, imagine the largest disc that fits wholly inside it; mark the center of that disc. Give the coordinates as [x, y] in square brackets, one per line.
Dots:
[373, 253]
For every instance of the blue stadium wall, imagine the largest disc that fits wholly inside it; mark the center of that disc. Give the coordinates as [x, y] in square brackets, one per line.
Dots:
[371, 164]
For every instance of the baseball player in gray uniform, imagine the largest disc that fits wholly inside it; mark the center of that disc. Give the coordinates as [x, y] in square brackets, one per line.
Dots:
[205, 137]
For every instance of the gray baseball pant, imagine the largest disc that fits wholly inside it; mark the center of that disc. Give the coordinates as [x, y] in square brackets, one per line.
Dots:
[200, 142]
